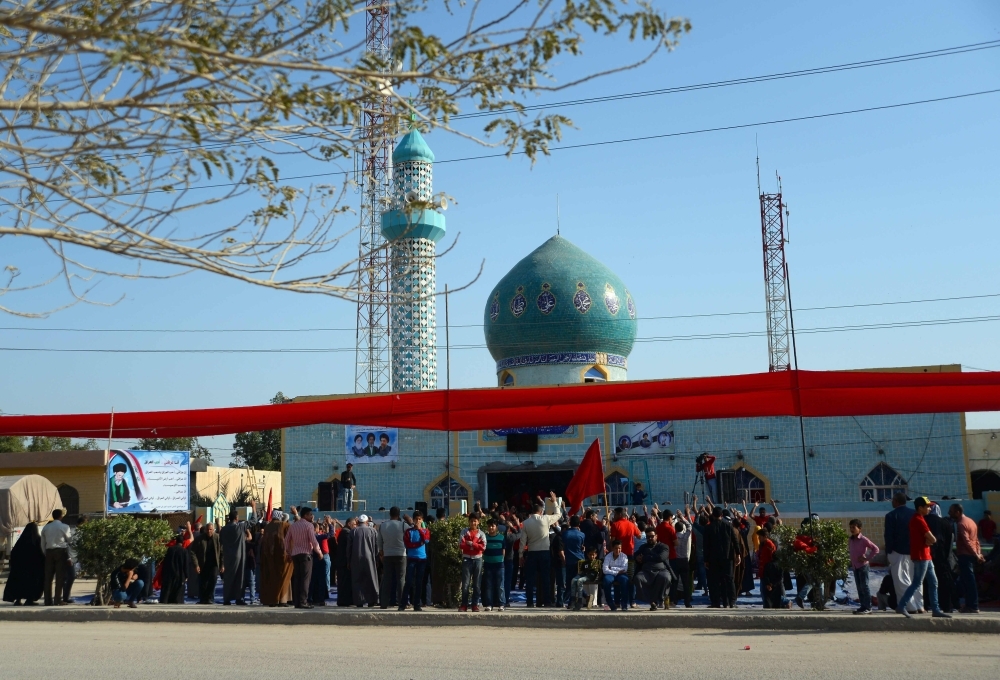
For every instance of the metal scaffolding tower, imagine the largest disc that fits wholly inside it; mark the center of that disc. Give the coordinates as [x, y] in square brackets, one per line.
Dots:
[772, 227]
[372, 372]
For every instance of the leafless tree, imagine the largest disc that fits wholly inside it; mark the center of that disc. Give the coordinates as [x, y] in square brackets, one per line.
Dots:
[143, 138]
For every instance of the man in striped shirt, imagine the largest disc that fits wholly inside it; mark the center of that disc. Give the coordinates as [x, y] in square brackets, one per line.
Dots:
[300, 544]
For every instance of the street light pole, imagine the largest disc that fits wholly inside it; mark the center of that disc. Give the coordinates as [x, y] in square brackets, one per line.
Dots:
[447, 402]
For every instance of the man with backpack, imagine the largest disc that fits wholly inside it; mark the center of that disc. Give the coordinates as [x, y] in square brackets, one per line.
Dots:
[415, 539]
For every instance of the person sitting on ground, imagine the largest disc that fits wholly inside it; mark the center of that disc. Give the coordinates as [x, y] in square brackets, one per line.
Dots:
[126, 585]
[886, 594]
[588, 571]
[654, 577]
[616, 583]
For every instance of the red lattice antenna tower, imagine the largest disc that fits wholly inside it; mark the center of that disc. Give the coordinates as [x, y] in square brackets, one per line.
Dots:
[772, 226]
[372, 371]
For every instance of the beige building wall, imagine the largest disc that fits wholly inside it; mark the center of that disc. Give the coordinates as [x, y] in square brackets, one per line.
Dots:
[984, 449]
[211, 482]
[82, 470]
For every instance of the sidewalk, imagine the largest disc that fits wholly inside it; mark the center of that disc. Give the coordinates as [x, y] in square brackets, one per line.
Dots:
[745, 617]
[738, 619]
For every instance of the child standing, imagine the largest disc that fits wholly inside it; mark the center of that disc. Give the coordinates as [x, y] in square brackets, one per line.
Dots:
[861, 549]
[493, 567]
[472, 543]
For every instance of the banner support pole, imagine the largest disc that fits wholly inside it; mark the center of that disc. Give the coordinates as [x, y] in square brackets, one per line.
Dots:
[111, 429]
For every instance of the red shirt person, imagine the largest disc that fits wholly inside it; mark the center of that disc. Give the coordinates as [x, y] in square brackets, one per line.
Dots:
[624, 530]
[705, 464]
[921, 540]
[667, 535]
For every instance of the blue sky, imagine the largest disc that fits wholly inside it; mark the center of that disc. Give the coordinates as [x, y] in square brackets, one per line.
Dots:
[885, 206]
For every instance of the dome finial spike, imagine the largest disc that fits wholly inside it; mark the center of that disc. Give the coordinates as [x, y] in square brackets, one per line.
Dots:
[557, 214]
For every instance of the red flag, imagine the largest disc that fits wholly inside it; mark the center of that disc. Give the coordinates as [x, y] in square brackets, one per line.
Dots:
[588, 480]
[270, 495]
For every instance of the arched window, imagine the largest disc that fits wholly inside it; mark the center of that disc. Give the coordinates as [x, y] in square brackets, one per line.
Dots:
[881, 484]
[749, 487]
[438, 493]
[70, 498]
[594, 375]
[984, 480]
[506, 379]
[618, 489]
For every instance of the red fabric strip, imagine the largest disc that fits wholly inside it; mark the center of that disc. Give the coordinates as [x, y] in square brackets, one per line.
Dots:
[820, 393]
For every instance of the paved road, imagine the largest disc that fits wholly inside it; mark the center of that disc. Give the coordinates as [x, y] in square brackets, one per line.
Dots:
[169, 651]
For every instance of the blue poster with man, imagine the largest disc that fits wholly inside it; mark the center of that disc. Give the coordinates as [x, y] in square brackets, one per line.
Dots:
[148, 481]
[367, 444]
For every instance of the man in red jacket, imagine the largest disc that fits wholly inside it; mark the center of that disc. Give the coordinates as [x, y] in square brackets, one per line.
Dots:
[472, 543]
[705, 464]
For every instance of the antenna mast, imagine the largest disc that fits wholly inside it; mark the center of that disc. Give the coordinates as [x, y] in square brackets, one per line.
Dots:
[372, 364]
[772, 227]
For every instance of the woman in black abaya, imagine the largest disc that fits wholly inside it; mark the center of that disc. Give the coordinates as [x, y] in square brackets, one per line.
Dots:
[27, 568]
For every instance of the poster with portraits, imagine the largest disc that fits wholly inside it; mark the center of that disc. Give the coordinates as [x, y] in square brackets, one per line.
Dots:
[644, 438]
[367, 444]
[148, 481]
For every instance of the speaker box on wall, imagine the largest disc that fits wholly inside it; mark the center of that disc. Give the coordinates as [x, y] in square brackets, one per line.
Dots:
[324, 497]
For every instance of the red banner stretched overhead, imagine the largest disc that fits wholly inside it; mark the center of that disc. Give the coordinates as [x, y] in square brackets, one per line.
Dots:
[809, 393]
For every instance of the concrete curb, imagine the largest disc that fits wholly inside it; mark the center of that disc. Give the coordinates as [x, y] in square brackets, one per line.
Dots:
[640, 620]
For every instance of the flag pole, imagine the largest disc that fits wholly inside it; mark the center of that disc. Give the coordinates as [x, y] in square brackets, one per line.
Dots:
[111, 430]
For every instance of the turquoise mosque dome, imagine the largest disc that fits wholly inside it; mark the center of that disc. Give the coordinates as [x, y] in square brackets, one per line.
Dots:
[560, 306]
[412, 147]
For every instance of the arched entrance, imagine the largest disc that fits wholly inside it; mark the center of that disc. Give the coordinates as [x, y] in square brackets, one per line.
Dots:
[984, 480]
[70, 498]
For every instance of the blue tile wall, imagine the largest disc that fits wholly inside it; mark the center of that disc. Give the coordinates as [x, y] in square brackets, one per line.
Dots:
[927, 450]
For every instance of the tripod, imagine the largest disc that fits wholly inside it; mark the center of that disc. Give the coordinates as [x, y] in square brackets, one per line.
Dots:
[698, 477]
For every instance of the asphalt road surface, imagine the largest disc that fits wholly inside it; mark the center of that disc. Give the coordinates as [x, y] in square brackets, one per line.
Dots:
[154, 651]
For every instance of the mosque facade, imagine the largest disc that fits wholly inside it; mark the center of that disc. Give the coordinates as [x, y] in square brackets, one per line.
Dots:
[559, 316]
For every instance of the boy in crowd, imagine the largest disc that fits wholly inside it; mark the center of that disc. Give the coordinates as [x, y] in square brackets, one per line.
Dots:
[588, 571]
[616, 581]
[493, 567]
[861, 549]
[472, 544]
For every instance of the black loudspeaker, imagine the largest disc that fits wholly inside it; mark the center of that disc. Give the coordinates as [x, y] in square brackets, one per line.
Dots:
[324, 497]
[522, 443]
[421, 506]
[727, 486]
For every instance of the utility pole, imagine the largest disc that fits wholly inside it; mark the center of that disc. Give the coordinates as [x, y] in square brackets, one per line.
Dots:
[372, 365]
[778, 302]
[772, 227]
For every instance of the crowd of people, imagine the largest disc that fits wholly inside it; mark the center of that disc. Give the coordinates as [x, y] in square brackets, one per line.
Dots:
[656, 557]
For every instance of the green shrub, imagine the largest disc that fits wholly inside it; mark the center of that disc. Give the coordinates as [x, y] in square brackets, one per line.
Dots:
[446, 558]
[102, 545]
[830, 561]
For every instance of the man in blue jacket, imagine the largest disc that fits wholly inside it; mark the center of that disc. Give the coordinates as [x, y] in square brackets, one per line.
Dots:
[897, 547]
[573, 540]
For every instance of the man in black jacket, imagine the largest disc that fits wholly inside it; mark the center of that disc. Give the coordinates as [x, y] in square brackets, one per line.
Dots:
[720, 560]
[347, 483]
[206, 554]
[654, 576]
[941, 556]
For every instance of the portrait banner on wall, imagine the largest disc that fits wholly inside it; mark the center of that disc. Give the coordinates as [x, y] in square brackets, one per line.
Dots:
[367, 444]
[645, 438]
[149, 481]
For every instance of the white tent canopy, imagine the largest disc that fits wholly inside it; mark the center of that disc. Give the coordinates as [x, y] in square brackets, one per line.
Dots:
[26, 498]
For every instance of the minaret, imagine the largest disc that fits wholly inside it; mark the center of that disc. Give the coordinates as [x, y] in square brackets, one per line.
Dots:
[412, 235]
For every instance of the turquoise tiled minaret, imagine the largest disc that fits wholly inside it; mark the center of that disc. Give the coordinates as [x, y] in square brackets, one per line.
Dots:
[413, 235]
